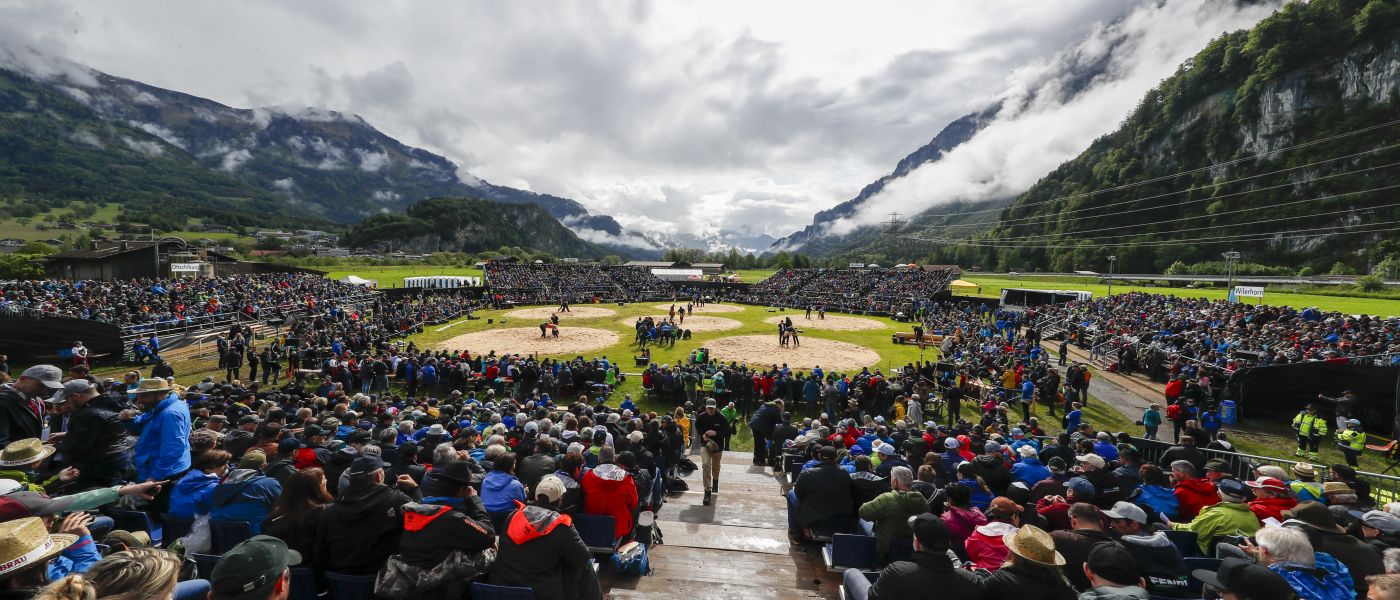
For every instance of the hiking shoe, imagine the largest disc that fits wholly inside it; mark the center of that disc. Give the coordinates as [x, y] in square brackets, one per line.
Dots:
[715, 487]
[706, 502]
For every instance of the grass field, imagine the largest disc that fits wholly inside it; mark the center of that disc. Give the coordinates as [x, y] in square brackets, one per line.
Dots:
[393, 276]
[992, 286]
[754, 275]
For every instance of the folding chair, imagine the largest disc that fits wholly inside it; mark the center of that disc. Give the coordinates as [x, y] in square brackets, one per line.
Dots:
[350, 587]
[597, 532]
[135, 520]
[227, 534]
[1196, 562]
[1185, 541]
[1390, 452]
[848, 551]
[486, 591]
[205, 563]
[173, 528]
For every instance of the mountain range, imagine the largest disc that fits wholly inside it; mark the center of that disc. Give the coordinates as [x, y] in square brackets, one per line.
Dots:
[172, 151]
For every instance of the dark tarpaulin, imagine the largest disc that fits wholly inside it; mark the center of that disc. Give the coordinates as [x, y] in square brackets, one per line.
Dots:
[25, 339]
[1283, 390]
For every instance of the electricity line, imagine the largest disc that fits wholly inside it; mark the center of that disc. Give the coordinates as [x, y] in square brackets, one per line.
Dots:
[1244, 237]
[1172, 193]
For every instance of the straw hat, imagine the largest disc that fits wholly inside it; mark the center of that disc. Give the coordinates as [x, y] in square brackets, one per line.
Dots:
[1331, 487]
[25, 452]
[1033, 544]
[24, 543]
[154, 384]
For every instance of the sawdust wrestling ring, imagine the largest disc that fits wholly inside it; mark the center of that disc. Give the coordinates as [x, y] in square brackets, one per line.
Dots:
[708, 308]
[694, 324]
[527, 340]
[763, 350]
[831, 322]
[544, 312]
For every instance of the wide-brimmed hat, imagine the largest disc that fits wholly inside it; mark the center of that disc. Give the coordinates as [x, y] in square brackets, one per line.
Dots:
[1304, 470]
[25, 543]
[1033, 544]
[154, 384]
[25, 452]
[1314, 515]
[1336, 487]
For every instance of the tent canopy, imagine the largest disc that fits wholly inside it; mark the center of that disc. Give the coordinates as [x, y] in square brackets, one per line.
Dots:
[356, 280]
[960, 283]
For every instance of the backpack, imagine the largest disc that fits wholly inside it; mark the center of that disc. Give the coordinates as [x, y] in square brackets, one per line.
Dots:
[1173, 411]
[631, 559]
[676, 485]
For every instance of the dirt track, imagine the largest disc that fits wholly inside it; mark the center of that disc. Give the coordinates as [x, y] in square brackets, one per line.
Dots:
[695, 324]
[578, 312]
[527, 340]
[763, 350]
[831, 322]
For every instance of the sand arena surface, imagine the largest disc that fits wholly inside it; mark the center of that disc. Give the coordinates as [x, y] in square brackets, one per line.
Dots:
[831, 322]
[694, 324]
[527, 340]
[578, 312]
[763, 350]
[708, 308]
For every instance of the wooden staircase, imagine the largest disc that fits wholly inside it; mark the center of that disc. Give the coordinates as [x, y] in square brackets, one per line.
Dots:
[735, 548]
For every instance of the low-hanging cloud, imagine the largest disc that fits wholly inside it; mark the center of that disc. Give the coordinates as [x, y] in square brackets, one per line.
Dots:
[1043, 122]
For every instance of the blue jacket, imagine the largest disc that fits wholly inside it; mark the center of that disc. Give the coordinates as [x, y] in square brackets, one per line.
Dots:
[1157, 498]
[980, 499]
[191, 494]
[246, 495]
[163, 450]
[78, 558]
[1029, 471]
[1336, 579]
[1107, 450]
[500, 490]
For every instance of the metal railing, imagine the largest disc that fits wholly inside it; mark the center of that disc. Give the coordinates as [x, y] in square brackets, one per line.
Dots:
[1384, 488]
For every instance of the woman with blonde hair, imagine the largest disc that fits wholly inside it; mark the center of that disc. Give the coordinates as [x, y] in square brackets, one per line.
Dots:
[135, 574]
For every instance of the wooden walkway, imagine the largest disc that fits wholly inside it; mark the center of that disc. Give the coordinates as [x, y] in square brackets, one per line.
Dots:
[735, 548]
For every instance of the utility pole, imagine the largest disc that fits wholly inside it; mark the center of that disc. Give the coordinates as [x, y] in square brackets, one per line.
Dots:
[894, 222]
[1111, 259]
[1230, 258]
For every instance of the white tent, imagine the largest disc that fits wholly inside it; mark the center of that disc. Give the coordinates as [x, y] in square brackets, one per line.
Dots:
[357, 280]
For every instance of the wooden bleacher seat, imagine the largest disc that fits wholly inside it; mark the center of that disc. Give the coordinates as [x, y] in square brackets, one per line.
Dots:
[907, 337]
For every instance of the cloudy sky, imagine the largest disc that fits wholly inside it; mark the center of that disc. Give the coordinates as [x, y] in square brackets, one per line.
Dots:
[683, 117]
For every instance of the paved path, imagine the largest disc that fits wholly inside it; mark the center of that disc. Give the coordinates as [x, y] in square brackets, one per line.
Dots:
[736, 548]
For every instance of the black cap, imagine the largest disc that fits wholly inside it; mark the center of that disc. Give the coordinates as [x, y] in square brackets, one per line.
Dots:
[1218, 464]
[931, 531]
[288, 444]
[1244, 578]
[358, 437]
[457, 471]
[827, 453]
[313, 430]
[253, 565]
[246, 419]
[1114, 563]
[365, 464]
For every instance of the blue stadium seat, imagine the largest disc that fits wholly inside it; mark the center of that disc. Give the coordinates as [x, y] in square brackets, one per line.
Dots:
[227, 534]
[303, 584]
[848, 551]
[205, 563]
[135, 520]
[173, 528]
[486, 591]
[350, 587]
[1185, 541]
[1195, 562]
[823, 531]
[597, 532]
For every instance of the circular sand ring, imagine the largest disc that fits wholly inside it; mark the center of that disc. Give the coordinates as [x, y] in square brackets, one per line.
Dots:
[577, 312]
[695, 324]
[831, 322]
[708, 308]
[527, 340]
[763, 350]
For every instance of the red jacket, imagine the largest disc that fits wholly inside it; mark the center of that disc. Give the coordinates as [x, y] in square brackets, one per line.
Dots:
[1192, 495]
[1271, 507]
[609, 490]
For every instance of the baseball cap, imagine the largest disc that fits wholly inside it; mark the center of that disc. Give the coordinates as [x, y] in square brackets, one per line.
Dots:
[72, 388]
[709, 403]
[551, 487]
[1126, 510]
[1379, 519]
[1004, 506]
[951, 443]
[1113, 563]
[287, 445]
[252, 460]
[18, 505]
[49, 375]
[1092, 459]
[312, 430]
[1081, 487]
[827, 453]
[365, 464]
[255, 564]
[1244, 578]
[991, 447]
[1218, 464]
[930, 530]
[246, 419]
[887, 449]
[1232, 488]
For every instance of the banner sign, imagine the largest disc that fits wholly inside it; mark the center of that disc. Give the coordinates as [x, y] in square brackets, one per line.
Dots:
[1249, 292]
[185, 267]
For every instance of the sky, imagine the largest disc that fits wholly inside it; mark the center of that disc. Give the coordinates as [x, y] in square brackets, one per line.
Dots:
[679, 118]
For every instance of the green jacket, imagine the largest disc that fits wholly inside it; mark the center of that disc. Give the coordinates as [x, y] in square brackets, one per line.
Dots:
[1226, 518]
[1354, 439]
[26, 483]
[890, 513]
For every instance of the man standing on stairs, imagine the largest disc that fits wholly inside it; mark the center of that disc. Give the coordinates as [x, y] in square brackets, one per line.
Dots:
[714, 429]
